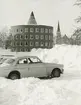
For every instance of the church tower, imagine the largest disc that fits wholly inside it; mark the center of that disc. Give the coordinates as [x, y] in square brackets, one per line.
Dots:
[58, 34]
[58, 30]
[32, 20]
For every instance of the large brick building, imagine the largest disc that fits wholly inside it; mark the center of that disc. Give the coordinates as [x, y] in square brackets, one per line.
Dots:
[27, 37]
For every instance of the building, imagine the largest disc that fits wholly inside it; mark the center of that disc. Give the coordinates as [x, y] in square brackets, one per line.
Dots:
[27, 37]
[61, 39]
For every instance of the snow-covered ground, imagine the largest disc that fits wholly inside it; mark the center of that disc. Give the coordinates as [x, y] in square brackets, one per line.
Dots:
[65, 90]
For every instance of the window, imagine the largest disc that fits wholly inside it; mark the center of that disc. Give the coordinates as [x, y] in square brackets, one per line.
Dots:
[49, 37]
[31, 43]
[36, 43]
[50, 30]
[33, 60]
[17, 30]
[46, 30]
[26, 43]
[25, 49]
[49, 44]
[42, 37]
[31, 36]
[22, 61]
[42, 30]
[36, 29]
[16, 36]
[26, 36]
[21, 30]
[31, 30]
[36, 36]
[21, 36]
[26, 29]
[42, 44]
[21, 43]
[22, 49]
[46, 37]
[46, 44]
[10, 61]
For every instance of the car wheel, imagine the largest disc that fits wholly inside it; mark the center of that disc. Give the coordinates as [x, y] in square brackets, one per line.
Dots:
[55, 73]
[14, 76]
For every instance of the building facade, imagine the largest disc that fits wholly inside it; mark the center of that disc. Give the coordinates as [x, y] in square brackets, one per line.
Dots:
[27, 37]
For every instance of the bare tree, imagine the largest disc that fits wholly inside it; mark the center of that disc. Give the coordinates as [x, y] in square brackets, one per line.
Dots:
[78, 3]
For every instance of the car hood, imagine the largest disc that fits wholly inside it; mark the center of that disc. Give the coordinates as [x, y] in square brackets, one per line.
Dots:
[54, 64]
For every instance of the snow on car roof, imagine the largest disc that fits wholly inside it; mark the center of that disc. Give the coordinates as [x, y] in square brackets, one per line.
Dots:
[7, 55]
[25, 56]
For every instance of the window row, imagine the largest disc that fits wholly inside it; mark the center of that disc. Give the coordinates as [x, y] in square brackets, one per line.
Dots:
[46, 37]
[32, 44]
[20, 49]
[42, 30]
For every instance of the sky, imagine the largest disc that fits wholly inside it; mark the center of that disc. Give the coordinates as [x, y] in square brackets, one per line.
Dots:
[47, 12]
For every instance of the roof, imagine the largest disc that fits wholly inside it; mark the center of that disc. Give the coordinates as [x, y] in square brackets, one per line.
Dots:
[32, 20]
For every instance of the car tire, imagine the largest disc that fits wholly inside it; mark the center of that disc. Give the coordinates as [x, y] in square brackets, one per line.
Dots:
[14, 76]
[55, 73]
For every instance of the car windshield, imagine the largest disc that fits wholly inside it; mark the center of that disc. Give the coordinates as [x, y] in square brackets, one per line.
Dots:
[9, 61]
[3, 59]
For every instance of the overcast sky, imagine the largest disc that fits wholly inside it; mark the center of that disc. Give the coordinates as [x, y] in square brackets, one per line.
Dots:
[47, 12]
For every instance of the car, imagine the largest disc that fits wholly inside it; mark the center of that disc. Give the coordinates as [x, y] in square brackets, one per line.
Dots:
[29, 66]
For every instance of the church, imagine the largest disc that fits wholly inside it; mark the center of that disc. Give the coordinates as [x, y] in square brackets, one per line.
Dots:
[59, 39]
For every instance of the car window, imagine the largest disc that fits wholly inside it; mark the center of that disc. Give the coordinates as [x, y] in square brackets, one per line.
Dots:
[33, 60]
[22, 61]
[9, 61]
[3, 60]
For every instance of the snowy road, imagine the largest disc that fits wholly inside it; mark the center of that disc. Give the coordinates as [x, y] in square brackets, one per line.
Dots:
[71, 75]
[65, 90]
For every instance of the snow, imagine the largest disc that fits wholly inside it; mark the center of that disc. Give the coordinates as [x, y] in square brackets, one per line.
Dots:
[65, 90]
[32, 91]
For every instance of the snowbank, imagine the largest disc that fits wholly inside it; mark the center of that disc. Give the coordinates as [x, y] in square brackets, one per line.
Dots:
[69, 56]
[32, 91]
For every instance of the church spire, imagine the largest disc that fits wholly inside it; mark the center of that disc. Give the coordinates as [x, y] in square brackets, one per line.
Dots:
[58, 35]
[32, 20]
[58, 28]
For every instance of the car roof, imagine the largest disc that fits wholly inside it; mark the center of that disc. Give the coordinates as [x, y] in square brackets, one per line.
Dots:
[18, 57]
[6, 56]
[26, 57]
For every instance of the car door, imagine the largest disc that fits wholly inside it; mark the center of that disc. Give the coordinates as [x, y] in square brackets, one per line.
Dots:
[36, 67]
[22, 67]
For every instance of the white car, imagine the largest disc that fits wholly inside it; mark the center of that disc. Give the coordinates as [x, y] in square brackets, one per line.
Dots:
[29, 66]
